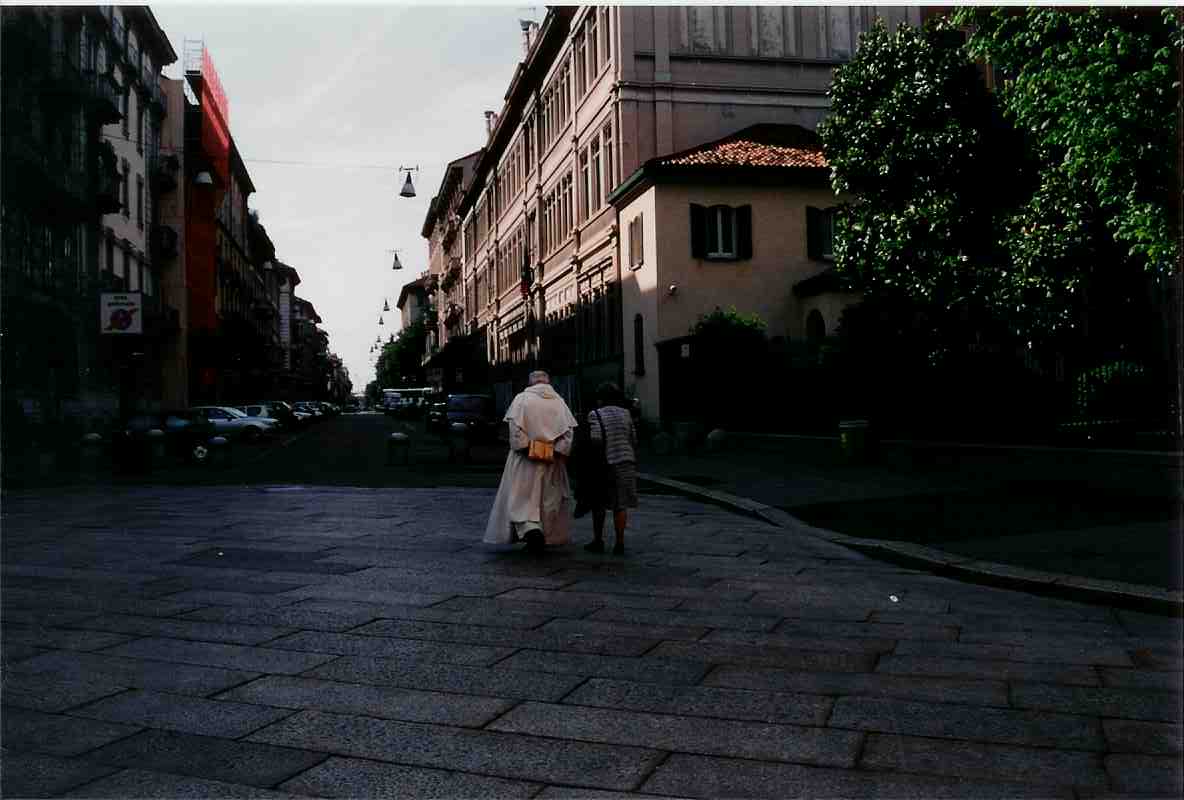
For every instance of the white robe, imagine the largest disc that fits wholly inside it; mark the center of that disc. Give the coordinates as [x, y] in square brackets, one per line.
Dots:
[533, 494]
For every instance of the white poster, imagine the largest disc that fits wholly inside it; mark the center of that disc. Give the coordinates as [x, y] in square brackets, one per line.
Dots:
[121, 312]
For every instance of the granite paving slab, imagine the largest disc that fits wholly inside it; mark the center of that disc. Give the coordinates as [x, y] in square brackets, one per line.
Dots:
[586, 601]
[356, 778]
[290, 618]
[39, 775]
[971, 723]
[139, 783]
[358, 645]
[711, 777]
[936, 689]
[410, 673]
[645, 670]
[371, 701]
[505, 755]
[364, 594]
[229, 656]
[1157, 776]
[1094, 653]
[61, 639]
[496, 615]
[774, 642]
[57, 735]
[545, 638]
[870, 630]
[184, 629]
[1077, 674]
[1089, 701]
[757, 656]
[184, 714]
[685, 619]
[1149, 738]
[38, 692]
[208, 757]
[918, 755]
[133, 672]
[702, 701]
[706, 736]
[595, 628]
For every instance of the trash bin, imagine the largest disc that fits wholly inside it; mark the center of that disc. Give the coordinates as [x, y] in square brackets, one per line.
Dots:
[398, 445]
[89, 455]
[853, 439]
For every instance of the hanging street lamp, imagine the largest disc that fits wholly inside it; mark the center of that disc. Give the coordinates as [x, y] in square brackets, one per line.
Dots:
[380, 319]
[395, 262]
[408, 189]
[385, 305]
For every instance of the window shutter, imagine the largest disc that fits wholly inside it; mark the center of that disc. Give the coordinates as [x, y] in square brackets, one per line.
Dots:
[744, 232]
[813, 232]
[640, 239]
[698, 231]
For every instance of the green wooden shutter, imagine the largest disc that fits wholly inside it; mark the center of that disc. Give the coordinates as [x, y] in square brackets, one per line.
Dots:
[744, 233]
[698, 231]
[813, 232]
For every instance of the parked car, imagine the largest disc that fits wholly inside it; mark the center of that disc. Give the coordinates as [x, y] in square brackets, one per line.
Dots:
[476, 413]
[269, 409]
[231, 422]
[314, 410]
[187, 437]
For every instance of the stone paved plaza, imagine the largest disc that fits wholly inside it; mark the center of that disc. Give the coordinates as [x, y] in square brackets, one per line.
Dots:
[284, 641]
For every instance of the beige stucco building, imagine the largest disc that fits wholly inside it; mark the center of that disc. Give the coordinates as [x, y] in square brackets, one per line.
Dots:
[740, 222]
[602, 90]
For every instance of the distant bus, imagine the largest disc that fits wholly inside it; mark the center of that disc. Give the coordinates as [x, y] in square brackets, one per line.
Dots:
[405, 401]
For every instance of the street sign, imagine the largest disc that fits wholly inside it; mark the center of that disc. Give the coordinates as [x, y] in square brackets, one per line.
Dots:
[121, 312]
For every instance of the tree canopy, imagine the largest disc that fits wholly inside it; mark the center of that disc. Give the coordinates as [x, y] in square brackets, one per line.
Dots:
[971, 208]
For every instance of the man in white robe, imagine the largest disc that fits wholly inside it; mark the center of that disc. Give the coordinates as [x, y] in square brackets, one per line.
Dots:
[533, 502]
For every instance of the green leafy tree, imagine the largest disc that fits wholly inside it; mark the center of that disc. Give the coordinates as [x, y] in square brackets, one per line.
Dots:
[1007, 212]
[729, 348]
[401, 359]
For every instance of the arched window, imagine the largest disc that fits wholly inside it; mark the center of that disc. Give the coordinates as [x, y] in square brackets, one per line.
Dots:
[638, 345]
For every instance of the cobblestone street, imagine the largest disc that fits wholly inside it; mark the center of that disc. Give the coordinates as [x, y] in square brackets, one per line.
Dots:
[335, 642]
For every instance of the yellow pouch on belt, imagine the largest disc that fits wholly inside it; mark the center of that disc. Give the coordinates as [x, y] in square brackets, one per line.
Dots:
[541, 451]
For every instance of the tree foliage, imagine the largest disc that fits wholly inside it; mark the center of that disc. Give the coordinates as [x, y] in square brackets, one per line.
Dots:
[976, 210]
[401, 359]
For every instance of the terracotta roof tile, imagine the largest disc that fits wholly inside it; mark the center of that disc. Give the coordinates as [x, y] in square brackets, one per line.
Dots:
[755, 147]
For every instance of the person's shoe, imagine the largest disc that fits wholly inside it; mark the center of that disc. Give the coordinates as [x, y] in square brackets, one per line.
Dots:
[595, 546]
[619, 549]
[535, 542]
[581, 509]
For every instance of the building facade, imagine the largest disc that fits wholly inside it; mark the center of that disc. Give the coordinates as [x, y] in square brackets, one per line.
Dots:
[603, 90]
[71, 76]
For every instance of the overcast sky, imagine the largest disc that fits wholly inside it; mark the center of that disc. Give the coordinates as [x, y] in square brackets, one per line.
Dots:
[341, 87]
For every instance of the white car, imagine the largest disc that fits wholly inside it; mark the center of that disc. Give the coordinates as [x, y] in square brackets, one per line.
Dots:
[230, 422]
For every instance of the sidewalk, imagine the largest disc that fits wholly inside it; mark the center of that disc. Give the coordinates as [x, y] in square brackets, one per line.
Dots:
[286, 642]
[1039, 531]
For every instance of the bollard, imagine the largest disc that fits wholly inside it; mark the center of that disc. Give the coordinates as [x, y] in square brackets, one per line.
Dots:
[219, 454]
[663, 443]
[397, 443]
[156, 449]
[89, 455]
[459, 442]
[853, 440]
[717, 441]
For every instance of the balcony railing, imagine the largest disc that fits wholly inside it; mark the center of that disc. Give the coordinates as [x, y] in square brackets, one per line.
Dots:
[108, 179]
[162, 171]
[105, 94]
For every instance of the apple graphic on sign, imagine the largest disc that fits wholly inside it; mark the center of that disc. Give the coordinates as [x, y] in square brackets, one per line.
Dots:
[121, 319]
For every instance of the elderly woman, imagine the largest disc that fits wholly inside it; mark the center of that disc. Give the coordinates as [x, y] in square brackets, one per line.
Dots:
[533, 502]
[611, 426]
